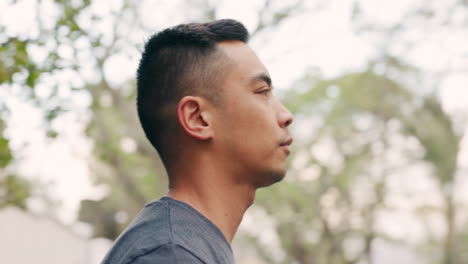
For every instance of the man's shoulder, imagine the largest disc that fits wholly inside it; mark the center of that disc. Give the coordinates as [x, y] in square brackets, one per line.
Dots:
[168, 253]
[167, 228]
[149, 231]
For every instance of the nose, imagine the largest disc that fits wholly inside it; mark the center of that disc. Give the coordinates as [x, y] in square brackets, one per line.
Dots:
[285, 117]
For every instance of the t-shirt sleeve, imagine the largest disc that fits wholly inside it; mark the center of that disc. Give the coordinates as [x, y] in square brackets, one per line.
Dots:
[168, 253]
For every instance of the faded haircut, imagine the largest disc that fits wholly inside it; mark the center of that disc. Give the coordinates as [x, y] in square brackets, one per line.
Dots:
[176, 62]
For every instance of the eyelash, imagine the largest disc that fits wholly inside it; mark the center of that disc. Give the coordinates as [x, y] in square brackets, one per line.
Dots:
[265, 92]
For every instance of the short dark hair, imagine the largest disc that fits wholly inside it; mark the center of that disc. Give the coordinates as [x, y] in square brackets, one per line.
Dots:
[179, 61]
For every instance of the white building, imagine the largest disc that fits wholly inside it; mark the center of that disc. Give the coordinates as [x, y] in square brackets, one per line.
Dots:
[27, 238]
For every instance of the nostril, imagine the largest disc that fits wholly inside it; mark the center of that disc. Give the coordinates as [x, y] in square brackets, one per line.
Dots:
[286, 123]
[289, 120]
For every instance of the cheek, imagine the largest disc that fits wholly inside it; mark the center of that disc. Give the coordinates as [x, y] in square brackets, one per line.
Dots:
[247, 119]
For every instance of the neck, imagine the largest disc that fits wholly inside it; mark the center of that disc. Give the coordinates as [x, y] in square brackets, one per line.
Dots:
[213, 193]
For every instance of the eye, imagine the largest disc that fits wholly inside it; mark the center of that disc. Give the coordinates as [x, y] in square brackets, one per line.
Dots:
[265, 92]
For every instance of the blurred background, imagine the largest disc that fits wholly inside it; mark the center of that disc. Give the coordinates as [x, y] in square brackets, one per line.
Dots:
[379, 90]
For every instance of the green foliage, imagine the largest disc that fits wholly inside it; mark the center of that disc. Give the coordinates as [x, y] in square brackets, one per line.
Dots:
[14, 191]
[314, 216]
[436, 133]
[101, 215]
[349, 94]
[5, 152]
[14, 58]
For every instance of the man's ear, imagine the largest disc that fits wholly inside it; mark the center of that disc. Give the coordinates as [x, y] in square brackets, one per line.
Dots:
[193, 115]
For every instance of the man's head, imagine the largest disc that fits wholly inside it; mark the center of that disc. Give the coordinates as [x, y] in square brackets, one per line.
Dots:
[179, 61]
[202, 86]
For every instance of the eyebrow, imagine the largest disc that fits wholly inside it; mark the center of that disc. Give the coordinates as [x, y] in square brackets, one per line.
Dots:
[262, 77]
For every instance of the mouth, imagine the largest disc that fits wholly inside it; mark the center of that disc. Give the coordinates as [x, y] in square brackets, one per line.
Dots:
[286, 142]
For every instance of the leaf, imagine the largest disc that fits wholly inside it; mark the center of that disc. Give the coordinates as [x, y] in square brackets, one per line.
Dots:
[14, 191]
[5, 153]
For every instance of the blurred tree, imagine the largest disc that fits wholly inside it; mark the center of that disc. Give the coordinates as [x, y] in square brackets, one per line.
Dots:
[5, 152]
[13, 189]
[436, 133]
[328, 209]
[353, 122]
[338, 181]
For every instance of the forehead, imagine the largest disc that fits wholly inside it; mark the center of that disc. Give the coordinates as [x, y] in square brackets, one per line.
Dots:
[244, 61]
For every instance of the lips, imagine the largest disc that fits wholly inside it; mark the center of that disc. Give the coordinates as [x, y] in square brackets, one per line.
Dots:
[286, 142]
[284, 145]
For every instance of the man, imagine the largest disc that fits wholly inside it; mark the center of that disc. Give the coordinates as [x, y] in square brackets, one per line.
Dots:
[205, 103]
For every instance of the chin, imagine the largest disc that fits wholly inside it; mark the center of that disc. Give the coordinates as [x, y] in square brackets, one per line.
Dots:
[271, 178]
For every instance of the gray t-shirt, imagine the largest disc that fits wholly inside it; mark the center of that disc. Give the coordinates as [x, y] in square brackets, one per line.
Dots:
[170, 231]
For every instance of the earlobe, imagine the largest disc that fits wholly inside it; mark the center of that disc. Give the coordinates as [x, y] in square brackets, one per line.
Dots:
[192, 116]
